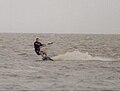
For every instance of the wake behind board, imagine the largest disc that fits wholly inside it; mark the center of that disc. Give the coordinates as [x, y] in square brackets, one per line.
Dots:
[47, 59]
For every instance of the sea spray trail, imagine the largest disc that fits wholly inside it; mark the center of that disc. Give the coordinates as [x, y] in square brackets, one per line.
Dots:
[76, 55]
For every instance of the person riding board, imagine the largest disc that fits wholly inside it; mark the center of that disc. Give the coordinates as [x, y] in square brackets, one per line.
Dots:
[37, 46]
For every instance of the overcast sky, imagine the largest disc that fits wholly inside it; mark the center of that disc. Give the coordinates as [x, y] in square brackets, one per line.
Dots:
[60, 16]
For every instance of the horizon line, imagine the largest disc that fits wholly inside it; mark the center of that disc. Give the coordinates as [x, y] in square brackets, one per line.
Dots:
[54, 33]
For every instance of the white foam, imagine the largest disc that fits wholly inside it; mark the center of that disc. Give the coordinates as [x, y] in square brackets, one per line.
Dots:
[76, 55]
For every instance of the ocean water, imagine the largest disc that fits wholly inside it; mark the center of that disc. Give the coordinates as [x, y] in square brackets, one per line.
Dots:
[22, 69]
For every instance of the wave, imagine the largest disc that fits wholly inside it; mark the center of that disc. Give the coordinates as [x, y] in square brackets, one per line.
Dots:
[76, 55]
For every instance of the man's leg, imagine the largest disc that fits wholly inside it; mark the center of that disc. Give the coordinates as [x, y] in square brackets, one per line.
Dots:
[45, 53]
[42, 53]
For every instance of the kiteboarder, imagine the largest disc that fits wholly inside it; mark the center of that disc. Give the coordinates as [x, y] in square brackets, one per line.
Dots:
[37, 46]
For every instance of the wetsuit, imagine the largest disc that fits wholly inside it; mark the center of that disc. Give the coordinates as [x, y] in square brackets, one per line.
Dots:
[37, 46]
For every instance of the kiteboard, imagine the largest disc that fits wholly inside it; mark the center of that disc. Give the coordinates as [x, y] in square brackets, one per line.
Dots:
[46, 58]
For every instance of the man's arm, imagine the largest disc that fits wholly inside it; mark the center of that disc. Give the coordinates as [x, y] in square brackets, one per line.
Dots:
[37, 44]
[43, 45]
[40, 44]
[47, 44]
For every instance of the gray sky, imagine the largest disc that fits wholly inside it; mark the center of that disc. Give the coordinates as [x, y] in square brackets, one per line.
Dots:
[60, 16]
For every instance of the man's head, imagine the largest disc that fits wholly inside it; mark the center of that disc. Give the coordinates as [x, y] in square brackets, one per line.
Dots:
[37, 39]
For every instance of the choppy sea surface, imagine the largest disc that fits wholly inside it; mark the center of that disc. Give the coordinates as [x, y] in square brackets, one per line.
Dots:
[82, 62]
